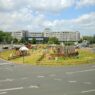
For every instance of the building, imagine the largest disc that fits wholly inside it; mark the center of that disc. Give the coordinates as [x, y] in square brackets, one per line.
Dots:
[36, 35]
[39, 36]
[20, 34]
[63, 35]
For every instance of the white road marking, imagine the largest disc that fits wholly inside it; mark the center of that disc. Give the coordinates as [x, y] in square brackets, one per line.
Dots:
[4, 64]
[33, 86]
[3, 93]
[87, 83]
[92, 90]
[72, 81]
[89, 70]
[40, 76]
[11, 89]
[7, 80]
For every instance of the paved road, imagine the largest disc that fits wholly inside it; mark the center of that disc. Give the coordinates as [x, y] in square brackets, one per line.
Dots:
[21, 79]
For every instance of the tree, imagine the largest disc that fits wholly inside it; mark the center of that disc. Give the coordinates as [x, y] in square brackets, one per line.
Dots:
[33, 41]
[53, 40]
[5, 37]
[45, 40]
[15, 40]
[23, 40]
[90, 39]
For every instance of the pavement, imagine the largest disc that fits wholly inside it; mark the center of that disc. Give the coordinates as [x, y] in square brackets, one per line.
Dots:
[23, 79]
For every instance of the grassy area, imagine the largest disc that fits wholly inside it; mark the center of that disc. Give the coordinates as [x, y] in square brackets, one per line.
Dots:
[85, 56]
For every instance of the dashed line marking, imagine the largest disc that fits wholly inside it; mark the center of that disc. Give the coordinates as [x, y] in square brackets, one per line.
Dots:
[40, 76]
[89, 70]
[2, 93]
[33, 86]
[7, 80]
[4, 64]
[92, 90]
[11, 89]
[87, 83]
[72, 81]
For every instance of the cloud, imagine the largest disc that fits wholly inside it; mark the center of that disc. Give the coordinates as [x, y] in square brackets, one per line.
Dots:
[82, 3]
[84, 24]
[29, 15]
[42, 5]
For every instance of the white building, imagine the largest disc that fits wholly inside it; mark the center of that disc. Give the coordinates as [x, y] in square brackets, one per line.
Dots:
[63, 36]
[20, 34]
[39, 36]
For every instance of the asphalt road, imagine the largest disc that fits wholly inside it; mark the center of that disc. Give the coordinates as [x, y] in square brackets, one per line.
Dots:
[22, 79]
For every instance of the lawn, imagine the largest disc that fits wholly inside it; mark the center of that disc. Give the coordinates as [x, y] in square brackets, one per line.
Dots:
[85, 56]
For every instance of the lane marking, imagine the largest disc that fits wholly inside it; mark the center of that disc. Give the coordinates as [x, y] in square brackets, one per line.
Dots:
[4, 64]
[89, 70]
[92, 90]
[40, 76]
[3, 93]
[11, 89]
[33, 86]
[87, 83]
[7, 80]
[72, 81]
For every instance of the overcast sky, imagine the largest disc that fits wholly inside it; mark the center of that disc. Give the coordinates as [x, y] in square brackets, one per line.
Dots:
[59, 15]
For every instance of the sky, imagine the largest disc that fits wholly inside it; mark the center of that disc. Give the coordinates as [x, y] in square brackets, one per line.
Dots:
[58, 15]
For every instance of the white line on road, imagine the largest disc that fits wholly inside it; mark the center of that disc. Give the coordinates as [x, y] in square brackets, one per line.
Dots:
[87, 83]
[92, 90]
[10, 89]
[7, 80]
[3, 93]
[40, 76]
[4, 64]
[89, 70]
[72, 81]
[33, 86]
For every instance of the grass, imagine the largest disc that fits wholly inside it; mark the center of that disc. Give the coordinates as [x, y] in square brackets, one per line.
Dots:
[85, 56]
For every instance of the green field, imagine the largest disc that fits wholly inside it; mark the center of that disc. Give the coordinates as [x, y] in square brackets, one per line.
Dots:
[85, 56]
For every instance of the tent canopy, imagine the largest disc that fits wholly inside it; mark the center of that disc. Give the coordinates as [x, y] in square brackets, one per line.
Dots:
[23, 48]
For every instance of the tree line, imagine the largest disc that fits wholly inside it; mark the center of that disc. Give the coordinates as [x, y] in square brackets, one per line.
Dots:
[6, 37]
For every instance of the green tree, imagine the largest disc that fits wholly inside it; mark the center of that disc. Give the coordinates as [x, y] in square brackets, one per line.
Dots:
[45, 40]
[33, 41]
[15, 40]
[23, 40]
[53, 40]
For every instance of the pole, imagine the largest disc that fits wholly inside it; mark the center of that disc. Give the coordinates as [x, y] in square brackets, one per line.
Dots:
[23, 56]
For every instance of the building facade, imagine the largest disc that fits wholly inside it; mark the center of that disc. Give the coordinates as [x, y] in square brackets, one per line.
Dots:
[36, 35]
[20, 34]
[63, 36]
[39, 36]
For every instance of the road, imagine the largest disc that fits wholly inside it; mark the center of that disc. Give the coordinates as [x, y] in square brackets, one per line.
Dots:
[22, 79]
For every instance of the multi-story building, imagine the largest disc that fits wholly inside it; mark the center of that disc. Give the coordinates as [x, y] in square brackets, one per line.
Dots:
[20, 34]
[39, 36]
[63, 36]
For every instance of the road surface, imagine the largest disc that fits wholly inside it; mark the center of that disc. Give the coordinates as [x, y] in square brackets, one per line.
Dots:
[22, 79]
